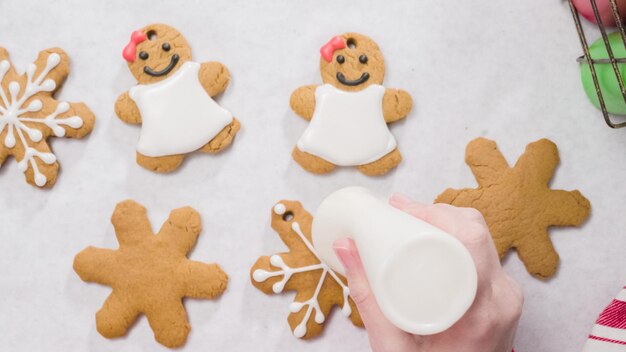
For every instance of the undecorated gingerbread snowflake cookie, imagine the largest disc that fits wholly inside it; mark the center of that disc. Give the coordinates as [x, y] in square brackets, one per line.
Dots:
[517, 202]
[29, 114]
[150, 274]
[318, 288]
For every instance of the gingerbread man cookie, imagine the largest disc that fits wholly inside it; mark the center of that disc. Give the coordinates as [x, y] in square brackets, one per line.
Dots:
[318, 288]
[29, 114]
[150, 274]
[173, 100]
[349, 113]
[517, 203]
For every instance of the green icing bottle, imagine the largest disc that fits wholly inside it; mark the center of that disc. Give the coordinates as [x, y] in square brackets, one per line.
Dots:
[611, 93]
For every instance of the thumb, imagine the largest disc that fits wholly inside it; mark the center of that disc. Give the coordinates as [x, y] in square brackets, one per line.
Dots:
[383, 335]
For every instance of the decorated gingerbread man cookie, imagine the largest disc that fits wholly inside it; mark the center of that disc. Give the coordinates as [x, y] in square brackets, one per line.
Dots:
[318, 288]
[173, 100]
[29, 114]
[349, 113]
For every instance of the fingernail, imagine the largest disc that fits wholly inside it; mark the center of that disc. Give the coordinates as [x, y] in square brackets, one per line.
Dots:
[343, 250]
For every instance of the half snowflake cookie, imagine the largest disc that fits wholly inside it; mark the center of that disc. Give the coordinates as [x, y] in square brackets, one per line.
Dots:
[29, 114]
[318, 288]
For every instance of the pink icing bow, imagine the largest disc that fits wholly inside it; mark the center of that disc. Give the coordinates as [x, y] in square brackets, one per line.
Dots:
[131, 48]
[329, 48]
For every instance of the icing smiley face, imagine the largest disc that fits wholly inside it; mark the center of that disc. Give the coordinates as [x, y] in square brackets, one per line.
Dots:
[352, 62]
[155, 52]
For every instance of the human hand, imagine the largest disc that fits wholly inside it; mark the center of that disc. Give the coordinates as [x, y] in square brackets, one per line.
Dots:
[490, 323]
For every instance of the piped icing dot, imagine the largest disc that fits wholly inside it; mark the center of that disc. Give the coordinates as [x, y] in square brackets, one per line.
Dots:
[34, 106]
[53, 60]
[48, 85]
[40, 180]
[280, 209]
[260, 275]
[319, 317]
[300, 330]
[278, 287]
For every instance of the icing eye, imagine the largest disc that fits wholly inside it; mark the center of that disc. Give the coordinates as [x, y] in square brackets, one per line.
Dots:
[166, 47]
[341, 59]
[288, 216]
[143, 55]
[363, 59]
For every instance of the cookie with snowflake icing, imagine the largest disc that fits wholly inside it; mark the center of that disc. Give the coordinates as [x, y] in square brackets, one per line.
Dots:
[517, 202]
[318, 288]
[29, 114]
[173, 100]
[150, 274]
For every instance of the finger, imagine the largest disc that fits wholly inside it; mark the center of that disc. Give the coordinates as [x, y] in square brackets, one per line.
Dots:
[471, 214]
[383, 335]
[404, 203]
[401, 201]
[439, 215]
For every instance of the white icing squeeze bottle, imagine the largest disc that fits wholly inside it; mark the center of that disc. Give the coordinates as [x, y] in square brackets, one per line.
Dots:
[423, 278]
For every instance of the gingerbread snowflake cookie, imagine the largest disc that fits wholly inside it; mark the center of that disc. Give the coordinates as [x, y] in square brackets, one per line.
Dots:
[517, 203]
[29, 114]
[150, 274]
[318, 288]
[349, 113]
[173, 100]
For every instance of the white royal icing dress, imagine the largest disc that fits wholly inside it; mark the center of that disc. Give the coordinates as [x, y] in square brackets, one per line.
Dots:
[348, 128]
[178, 116]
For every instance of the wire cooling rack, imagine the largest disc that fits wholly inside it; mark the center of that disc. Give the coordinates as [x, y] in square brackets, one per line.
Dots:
[612, 60]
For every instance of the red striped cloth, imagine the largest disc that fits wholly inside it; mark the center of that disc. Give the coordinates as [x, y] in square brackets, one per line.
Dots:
[609, 332]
